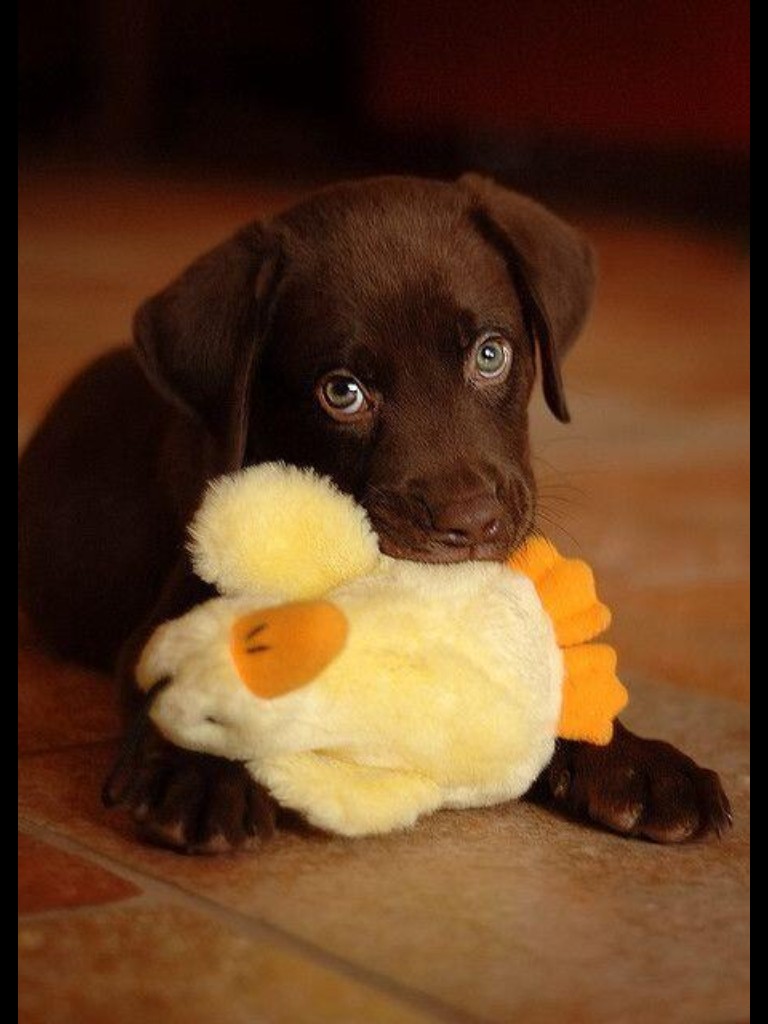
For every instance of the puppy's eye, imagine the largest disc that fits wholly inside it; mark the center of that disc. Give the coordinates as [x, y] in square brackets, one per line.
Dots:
[343, 397]
[489, 360]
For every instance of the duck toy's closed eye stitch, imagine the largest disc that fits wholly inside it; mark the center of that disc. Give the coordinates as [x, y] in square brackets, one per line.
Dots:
[364, 691]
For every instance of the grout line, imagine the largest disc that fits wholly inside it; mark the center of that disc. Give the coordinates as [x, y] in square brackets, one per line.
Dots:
[256, 928]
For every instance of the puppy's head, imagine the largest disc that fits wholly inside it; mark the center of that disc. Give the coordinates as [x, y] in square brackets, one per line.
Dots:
[385, 332]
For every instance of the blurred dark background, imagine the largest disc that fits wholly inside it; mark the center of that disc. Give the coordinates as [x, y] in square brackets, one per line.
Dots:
[639, 103]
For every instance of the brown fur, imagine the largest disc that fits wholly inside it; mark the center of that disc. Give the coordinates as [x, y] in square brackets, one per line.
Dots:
[391, 279]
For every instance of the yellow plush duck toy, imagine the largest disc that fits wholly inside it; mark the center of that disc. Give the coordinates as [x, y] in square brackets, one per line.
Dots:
[365, 691]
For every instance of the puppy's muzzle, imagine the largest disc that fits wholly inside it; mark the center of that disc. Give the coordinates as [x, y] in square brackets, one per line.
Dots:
[475, 525]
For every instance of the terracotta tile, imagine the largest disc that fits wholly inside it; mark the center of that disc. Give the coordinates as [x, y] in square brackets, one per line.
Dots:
[61, 703]
[611, 431]
[50, 879]
[663, 543]
[668, 537]
[170, 964]
[671, 317]
[694, 636]
[502, 914]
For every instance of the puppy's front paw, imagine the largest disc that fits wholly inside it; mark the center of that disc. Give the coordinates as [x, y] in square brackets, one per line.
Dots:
[197, 803]
[637, 787]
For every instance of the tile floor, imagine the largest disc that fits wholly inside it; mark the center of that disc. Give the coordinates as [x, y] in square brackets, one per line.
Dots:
[504, 915]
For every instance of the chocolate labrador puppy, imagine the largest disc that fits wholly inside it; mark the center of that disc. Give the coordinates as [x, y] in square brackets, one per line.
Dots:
[384, 332]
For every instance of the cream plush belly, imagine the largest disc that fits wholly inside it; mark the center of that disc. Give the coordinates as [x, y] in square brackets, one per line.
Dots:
[449, 672]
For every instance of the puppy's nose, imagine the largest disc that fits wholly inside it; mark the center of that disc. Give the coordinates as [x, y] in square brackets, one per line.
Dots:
[465, 521]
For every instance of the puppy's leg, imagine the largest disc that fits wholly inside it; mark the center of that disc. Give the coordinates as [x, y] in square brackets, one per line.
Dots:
[635, 786]
[195, 803]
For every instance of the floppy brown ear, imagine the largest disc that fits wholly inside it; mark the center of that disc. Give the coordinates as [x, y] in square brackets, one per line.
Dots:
[198, 339]
[552, 267]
